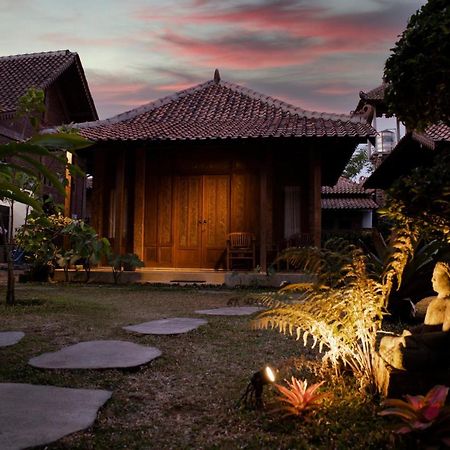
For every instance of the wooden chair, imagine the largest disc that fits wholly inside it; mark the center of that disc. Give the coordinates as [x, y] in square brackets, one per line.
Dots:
[241, 246]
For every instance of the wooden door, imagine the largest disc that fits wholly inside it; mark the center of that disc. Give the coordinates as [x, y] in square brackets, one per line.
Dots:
[202, 216]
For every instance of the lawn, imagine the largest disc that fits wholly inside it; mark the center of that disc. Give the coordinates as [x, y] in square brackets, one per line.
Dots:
[186, 399]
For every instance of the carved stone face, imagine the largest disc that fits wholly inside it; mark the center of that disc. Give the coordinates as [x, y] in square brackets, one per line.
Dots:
[441, 281]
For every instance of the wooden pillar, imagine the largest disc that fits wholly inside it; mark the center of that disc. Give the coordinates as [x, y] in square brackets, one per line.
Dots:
[139, 203]
[264, 210]
[98, 193]
[121, 213]
[315, 206]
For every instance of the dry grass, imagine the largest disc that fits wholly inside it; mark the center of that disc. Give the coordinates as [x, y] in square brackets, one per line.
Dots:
[187, 398]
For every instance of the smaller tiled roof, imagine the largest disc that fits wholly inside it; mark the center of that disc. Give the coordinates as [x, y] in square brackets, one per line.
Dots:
[18, 73]
[374, 97]
[347, 194]
[222, 110]
[344, 186]
[348, 203]
[414, 149]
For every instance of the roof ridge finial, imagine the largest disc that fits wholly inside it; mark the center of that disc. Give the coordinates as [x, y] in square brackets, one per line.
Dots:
[216, 76]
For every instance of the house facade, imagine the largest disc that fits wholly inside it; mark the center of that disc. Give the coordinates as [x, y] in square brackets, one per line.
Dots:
[67, 99]
[172, 178]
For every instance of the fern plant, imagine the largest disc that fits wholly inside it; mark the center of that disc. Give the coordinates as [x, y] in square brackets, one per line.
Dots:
[340, 313]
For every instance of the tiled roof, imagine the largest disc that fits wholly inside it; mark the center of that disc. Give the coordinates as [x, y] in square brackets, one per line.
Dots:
[39, 70]
[347, 194]
[373, 97]
[413, 150]
[374, 94]
[221, 110]
[345, 186]
[348, 203]
[433, 135]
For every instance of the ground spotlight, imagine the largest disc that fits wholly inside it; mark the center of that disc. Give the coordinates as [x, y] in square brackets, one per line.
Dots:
[253, 394]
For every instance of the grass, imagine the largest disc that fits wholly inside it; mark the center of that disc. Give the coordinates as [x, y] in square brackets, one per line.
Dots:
[187, 398]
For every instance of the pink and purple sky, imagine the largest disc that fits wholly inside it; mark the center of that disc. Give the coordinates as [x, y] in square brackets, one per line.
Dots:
[316, 54]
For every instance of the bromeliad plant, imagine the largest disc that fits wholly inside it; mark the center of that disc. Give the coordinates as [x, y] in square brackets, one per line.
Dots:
[424, 418]
[298, 398]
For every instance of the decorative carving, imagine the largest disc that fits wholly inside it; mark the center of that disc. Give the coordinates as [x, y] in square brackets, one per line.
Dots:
[367, 112]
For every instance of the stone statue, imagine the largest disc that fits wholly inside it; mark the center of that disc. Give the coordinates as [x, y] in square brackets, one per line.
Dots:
[428, 345]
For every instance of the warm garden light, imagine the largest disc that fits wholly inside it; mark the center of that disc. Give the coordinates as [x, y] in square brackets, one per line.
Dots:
[253, 393]
[269, 374]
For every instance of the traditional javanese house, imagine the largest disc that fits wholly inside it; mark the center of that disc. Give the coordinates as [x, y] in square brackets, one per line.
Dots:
[174, 177]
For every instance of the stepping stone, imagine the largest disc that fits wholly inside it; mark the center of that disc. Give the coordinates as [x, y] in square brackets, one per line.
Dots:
[97, 355]
[174, 325]
[10, 337]
[32, 415]
[231, 311]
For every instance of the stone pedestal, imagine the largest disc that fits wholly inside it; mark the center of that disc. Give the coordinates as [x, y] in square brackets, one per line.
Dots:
[395, 383]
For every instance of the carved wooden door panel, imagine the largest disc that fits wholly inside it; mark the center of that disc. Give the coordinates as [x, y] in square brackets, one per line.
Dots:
[188, 221]
[201, 212]
[216, 219]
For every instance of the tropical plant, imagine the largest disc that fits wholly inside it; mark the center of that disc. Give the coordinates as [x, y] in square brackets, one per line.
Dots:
[119, 263]
[86, 244]
[421, 199]
[60, 241]
[41, 238]
[26, 158]
[425, 418]
[298, 398]
[343, 316]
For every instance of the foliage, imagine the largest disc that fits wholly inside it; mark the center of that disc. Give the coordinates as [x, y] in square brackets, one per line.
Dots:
[422, 198]
[358, 163]
[60, 241]
[344, 315]
[424, 417]
[119, 263]
[86, 244]
[41, 239]
[31, 107]
[418, 70]
[298, 397]
[325, 263]
[25, 157]
[417, 272]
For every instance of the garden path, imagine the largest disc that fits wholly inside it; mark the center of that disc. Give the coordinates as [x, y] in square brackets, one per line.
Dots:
[10, 337]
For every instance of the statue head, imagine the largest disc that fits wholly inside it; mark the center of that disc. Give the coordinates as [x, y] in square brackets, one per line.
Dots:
[441, 279]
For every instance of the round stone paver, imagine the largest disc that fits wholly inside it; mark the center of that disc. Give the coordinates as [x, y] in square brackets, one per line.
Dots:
[97, 355]
[231, 311]
[10, 337]
[174, 325]
[32, 415]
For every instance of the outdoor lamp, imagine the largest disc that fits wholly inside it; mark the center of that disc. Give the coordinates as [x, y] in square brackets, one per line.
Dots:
[253, 393]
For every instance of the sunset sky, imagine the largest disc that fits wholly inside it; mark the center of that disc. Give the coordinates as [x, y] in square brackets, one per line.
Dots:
[317, 54]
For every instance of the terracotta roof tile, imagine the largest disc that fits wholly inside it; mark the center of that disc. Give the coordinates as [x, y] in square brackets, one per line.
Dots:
[347, 194]
[348, 203]
[20, 72]
[221, 110]
[345, 186]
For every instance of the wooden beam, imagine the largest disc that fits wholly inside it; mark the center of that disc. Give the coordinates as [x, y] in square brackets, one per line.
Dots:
[139, 205]
[315, 207]
[98, 193]
[120, 231]
[263, 211]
